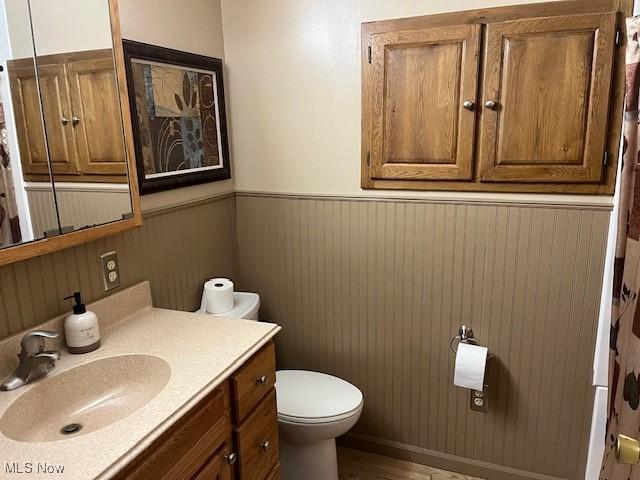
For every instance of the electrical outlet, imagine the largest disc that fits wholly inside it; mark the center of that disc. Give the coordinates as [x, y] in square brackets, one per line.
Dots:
[110, 270]
[478, 400]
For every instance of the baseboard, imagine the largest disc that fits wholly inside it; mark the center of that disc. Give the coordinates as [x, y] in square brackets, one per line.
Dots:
[466, 466]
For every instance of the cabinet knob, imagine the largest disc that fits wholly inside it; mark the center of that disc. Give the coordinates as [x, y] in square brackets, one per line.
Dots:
[64, 120]
[231, 458]
[264, 445]
[491, 105]
[263, 380]
[468, 105]
[75, 120]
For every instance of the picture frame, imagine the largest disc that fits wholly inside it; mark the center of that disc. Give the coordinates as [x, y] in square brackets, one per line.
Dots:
[178, 114]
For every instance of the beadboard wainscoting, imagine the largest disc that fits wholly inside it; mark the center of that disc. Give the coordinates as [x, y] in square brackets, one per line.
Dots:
[372, 290]
[177, 249]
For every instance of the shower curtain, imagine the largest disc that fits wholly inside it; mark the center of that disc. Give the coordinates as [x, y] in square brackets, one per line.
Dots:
[9, 222]
[624, 354]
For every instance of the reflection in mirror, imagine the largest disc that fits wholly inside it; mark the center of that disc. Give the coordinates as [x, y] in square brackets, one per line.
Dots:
[22, 140]
[82, 117]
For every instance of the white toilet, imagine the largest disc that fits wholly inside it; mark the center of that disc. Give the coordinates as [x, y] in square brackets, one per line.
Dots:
[313, 409]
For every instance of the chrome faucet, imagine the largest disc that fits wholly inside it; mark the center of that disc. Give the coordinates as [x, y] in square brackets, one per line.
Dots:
[35, 362]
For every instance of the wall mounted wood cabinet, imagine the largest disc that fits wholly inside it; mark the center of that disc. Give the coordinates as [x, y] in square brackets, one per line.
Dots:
[78, 92]
[506, 99]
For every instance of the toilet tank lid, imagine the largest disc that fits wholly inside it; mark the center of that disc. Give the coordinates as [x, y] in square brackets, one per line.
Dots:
[311, 397]
[244, 304]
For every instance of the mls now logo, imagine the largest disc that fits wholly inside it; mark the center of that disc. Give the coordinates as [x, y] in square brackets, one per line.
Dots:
[18, 468]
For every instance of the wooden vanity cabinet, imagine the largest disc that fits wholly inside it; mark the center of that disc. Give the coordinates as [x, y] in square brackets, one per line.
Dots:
[231, 434]
[503, 99]
[84, 128]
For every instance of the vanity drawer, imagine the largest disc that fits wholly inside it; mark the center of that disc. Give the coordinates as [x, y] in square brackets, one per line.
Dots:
[257, 441]
[181, 451]
[253, 381]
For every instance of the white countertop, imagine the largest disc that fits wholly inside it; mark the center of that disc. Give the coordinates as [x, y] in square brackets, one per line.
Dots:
[202, 351]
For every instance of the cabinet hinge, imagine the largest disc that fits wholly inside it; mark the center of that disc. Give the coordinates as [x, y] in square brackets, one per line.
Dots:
[618, 37]
[368, 159]
[605, 159]
[369, 53]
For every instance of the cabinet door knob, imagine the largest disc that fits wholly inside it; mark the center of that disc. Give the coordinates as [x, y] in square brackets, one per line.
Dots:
[264, 445]
[75, 120]
[491, 105]
[64, 120]
[231, 458]
[468, 105]
[263, 380]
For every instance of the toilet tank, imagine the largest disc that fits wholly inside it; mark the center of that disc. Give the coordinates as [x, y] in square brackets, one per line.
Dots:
[245, 305]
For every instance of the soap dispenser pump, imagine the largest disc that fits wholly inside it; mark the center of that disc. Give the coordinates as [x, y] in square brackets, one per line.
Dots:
[81, 330]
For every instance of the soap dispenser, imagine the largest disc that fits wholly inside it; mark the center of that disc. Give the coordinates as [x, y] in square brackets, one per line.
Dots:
[81, 330]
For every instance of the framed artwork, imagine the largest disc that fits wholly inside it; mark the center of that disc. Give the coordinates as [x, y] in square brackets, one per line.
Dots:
[178, 116]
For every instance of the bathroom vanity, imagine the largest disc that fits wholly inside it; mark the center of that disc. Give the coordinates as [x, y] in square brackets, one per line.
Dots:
[234, 426]
[169, 395]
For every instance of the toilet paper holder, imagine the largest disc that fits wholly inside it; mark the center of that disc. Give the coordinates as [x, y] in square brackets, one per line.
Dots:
[465, 335]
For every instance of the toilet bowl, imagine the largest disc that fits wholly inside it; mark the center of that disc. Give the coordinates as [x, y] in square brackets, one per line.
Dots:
[313, 409]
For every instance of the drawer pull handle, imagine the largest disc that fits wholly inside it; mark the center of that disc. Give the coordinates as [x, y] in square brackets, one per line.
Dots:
[231, 458]
[263, 380]
[264, 445]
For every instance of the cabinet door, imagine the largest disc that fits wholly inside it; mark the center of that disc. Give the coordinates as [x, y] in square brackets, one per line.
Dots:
[57, 118]
[97, 125]
[218, 468]
[547, 81]
[419, 83]
[28, 118]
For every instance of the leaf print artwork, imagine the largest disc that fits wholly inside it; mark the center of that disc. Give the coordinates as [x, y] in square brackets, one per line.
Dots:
[181, 136]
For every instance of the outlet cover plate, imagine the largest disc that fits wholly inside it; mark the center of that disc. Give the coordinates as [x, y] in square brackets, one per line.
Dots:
[110, 270]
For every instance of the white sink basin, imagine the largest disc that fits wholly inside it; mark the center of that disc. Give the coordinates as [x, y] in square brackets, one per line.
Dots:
[85, 398]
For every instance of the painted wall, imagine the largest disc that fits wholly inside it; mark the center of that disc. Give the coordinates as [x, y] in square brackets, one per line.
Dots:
[294, 90]
[70, 25]
[373, 291]
[320, 265]
[176, 249]
[192, 26]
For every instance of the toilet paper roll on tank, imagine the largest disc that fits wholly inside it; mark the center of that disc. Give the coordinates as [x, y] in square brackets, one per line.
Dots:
[217, 296]
[471, 364]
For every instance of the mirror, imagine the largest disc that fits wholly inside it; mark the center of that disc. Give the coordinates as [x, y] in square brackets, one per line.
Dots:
[63, 162]
[23, 217]
[74, 57]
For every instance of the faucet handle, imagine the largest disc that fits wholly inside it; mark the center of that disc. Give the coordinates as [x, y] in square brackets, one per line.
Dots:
[33, 342]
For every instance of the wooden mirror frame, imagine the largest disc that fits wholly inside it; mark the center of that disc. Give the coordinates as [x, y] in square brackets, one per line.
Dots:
[43, 246]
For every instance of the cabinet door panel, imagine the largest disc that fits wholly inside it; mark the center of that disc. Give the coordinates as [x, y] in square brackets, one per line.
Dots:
[55, 104]
[218, 468]
[97, 125]
[420, 80]
[28, 117]
[550, 79]
[57, 118]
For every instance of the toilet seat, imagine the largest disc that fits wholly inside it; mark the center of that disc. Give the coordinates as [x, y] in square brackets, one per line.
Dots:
[313, 397]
